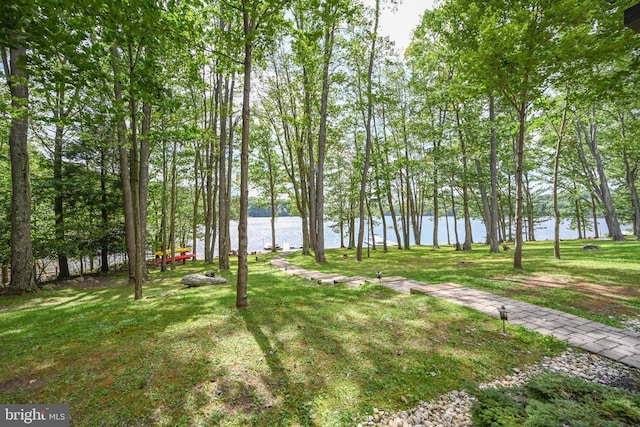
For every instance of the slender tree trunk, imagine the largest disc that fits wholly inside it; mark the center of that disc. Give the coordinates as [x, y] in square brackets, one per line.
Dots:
[484, 199]
[368, 143]
[322, 140]
[15, 69]
[631, 175]
[530, 211]
[494, 241]
[611, 216]
[578, 212]
[556, 180]
[446, 217]
[58, 203]
[196, 201]
[145, 152]
[232, 125]
[510, 207]
[125, 180]
[466, 246]
[172, 214]
[387, 180]
[135, 163]
[455, 218]
[104, 211]
[522, 119]
[436, 189]
[223, 214]
[311, 160]
[164, 204]
[594, 212]
[243, 267]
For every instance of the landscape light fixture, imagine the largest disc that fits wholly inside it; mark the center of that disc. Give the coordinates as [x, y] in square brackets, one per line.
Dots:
[632, 18]
[504, 316]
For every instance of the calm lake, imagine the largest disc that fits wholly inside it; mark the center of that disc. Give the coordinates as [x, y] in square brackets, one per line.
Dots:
[289, 230]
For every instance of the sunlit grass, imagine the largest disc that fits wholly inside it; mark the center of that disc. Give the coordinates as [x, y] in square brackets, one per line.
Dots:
[587, 272]
[301, 354]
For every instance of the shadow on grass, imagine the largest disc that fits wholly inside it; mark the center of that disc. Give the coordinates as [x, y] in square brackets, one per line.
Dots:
[300, 354]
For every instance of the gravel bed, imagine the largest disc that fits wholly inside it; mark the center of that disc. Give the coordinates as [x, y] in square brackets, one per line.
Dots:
[454, 408]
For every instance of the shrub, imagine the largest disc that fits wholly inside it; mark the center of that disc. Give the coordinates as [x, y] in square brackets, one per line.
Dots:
[551, 400]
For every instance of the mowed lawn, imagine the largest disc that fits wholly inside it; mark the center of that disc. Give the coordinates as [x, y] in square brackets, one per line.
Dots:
[601, 284]
[300, 354]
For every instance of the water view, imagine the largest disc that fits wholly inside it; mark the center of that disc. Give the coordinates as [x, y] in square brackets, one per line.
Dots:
[289, 230]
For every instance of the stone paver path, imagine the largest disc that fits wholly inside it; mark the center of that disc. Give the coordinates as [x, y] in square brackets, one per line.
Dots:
[617, 344]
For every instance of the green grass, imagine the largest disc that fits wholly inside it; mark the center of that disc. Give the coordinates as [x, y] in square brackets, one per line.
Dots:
[601, 285]
[300, 354]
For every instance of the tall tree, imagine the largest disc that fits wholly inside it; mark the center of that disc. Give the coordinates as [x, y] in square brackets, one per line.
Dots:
[368, 130]
[265, 16]
[13, 47]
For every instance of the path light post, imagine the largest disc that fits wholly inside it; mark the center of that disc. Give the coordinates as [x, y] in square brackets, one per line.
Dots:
[504, 316]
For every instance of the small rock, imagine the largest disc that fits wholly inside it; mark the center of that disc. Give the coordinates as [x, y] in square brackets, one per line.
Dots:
[590, 247]
[196, 280]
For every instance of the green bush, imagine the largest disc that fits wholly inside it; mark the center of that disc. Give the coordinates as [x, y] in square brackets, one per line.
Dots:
[497, 407]
[551, 400]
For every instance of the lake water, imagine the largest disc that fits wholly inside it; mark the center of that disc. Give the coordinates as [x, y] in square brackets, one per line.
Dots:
[289, 230]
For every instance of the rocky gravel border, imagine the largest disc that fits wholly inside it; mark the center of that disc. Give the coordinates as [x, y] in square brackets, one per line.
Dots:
[454, 408]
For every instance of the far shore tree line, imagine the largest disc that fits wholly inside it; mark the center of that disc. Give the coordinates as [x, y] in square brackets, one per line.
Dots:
[134, 126]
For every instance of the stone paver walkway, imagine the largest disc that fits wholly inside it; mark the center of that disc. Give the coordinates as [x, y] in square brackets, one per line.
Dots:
[617, 344]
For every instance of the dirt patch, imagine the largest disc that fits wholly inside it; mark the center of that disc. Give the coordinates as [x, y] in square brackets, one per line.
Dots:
[88, 281]
[21, 383]
[610, 291]
[602, 299]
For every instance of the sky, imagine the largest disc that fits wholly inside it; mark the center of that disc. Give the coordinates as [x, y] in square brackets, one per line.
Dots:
[400, 24]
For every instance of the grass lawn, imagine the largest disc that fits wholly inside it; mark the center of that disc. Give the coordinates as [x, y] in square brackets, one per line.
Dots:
[300, 354]
[601, 285]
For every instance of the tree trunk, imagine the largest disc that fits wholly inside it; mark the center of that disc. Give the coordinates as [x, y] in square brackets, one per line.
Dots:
[58, 200]
[104, 249]
[466, 246]
[594, 212]
[145, 152]
[436, 210]
[172, 214]
[494, 241]
[223, 191]
[556, 181]
[530, 217]
[522, 119]
[590, 137]
[196, 201]
[135, 163]
[22, 267]
[125, 181]
[368, 143]
[318, 227]
[455, 217]
[60, 113]
[631, 175]
[446, 217]
[484, 199]
[243, 268]
[164, 205]
[387, 180]
[311, 193]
